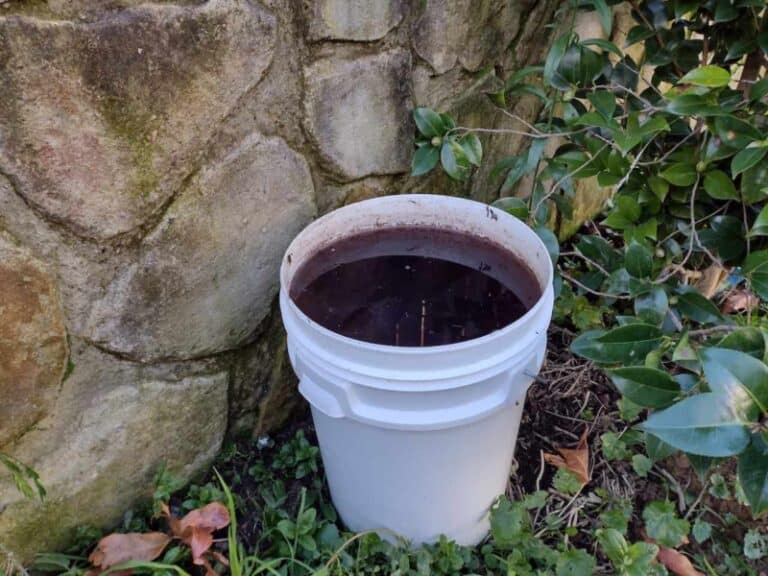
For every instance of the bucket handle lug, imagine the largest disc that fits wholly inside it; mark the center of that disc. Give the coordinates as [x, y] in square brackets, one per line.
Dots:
[329, 404]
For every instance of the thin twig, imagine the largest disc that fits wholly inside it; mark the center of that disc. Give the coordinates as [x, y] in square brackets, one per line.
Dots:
[678, 489]
[663, 158]
[557, 184]
[632, 167]
[577, 252]
[697, 501]
[595, 292]
[694, 236]
[713, 330]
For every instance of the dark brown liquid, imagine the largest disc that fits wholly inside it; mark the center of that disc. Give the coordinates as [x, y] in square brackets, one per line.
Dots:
[414, 287]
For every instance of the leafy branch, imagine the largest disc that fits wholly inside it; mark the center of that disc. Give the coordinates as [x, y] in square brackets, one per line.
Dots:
[681, 139]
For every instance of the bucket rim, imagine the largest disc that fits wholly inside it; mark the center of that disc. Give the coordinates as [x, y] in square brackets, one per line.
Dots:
[541, 301]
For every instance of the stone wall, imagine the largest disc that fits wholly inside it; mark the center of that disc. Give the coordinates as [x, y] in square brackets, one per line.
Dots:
[155, 161]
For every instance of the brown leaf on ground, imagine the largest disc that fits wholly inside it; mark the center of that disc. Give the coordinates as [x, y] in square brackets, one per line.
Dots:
[710, 280]
[197, 527]
[574, 459]
[213, 516]
[119, 548]
[677, 563]
[739, 301]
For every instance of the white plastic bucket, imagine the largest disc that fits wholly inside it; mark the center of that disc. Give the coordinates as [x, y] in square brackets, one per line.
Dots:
[418, 441]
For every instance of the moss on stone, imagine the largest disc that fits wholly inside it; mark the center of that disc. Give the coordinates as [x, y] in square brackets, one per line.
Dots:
[135, 129]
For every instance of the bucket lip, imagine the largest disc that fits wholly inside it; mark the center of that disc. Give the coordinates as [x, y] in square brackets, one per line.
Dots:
[426, 350]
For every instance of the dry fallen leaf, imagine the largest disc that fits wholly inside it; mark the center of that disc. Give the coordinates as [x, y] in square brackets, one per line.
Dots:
[213, 516]
[119, 548]
[574, 459]
[677, 563]
[709, 282]
[196, 529]
[739, 301]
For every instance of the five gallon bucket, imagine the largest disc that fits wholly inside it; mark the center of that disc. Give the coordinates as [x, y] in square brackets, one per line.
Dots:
[418, 441]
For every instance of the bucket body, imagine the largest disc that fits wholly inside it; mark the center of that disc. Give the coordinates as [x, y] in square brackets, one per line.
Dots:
[418, 442]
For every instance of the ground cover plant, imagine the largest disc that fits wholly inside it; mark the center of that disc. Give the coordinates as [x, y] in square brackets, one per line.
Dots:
[607, 509]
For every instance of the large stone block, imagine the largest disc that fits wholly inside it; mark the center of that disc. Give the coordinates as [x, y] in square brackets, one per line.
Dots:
[100, 122]
[468, 32]
[114, 425]
[263, 388]
[207, 274]
[361, 20]
[87, 10]
[33, 340]
[358, 113]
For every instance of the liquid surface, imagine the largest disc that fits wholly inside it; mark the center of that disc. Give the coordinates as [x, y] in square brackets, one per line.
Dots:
[414, 287]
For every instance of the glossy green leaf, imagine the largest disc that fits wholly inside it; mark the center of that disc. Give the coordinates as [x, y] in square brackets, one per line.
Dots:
[703, 424]
[753, 475]
[760, 227]
[702, 464]
[747, 158]
[554, 56]
[658, 449]
[683, 7]
[522, 74]
[759, 90]
[653, 126]
[638, 260]
[754, 183]
[503, 166]
[735, 132]
[739, 47]
[652, 306]
[696, 307]
[756, 269]
[725, 11]
[762, 40]
[579, 66]
[725, 235]
[749, 340]
[739, 378]
[604, 44]
[627, 345]
[648, 387]
[604, 102]
[454, 160]
[429, 122]
[685, 355]
[637, 34]
[515, 173]
[599, 250]
[719, 185]
[550, 241]
[693, 105]
[659, 187]
[448, 121]
[473, 149]
[680, 174]
[606, 15]
[424, 160]
[515, 206]
[709, 76]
